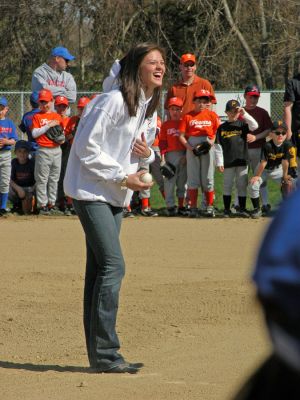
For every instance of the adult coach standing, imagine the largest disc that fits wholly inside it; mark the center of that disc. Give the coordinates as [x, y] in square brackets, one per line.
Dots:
[113, 139]
[53, 76]
[189, 84]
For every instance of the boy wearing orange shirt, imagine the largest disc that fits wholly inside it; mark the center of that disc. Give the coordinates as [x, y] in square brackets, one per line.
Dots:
[64, 202]
[48, 155]
[197, 127]
[173, 151]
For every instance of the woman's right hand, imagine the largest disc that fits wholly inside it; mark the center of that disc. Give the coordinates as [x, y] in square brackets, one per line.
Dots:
[134, 183]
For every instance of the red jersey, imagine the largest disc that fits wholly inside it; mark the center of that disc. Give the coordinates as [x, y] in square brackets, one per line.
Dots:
[186, 92]
[204, 123]
[41, 119]
[264, 121]
[169, 137]
[71, 127]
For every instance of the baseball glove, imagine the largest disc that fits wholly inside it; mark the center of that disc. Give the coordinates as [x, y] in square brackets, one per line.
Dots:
[56, 134]
[167, 170]
[286, 187]
[201, 149]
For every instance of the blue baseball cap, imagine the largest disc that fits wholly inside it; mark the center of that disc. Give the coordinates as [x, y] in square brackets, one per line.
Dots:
[3, 102]
[62, 52]
[34, 97]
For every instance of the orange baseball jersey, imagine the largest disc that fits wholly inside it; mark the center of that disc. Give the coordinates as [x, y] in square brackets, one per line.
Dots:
[65, 121]
[169, 137]
[186, 93]
[41, 119]
[158, 126]
[204, 123]
[71, 127]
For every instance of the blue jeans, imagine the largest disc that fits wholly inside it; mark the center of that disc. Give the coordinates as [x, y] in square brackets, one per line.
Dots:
[105, 269]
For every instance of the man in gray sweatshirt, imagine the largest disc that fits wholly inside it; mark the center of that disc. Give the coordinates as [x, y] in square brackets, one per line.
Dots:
[53, 76]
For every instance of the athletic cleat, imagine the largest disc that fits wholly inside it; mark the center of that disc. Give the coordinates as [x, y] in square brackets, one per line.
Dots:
[243, 213]
[235, 209]
[210, 212]
[171, 212]
[67, 212]
[227, 214]
[55, 211]
[256, 213]
[193, 213]
[148, 212]
[44, 211]
[128, 213]
[182, 212]
[266, 208]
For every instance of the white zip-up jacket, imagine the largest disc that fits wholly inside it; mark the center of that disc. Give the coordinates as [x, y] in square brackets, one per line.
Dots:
[101, 154]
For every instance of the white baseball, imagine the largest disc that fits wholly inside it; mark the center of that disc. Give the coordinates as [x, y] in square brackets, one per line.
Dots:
[146, 178]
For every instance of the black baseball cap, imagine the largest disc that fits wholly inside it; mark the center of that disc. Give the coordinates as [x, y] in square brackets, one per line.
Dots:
[23, 144]
[232, 105]
[279, 124]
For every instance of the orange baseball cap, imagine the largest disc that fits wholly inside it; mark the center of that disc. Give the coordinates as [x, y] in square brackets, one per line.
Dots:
[175, 101]
[187, 57]
[61, 100]
[203, 93]
[45, 95]
[83, 101]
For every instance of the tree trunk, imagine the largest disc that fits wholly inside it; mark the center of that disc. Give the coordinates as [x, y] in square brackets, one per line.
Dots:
[244, 43]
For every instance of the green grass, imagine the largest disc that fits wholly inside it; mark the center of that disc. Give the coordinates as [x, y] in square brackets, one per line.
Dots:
[157, 201]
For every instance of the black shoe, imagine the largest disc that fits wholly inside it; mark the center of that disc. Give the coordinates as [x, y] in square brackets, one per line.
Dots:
[44, 211]
[266, 208]
[148, 212]
[125, 368]
[182, 211]
[172, 212]
[243, 213]
[227, 214]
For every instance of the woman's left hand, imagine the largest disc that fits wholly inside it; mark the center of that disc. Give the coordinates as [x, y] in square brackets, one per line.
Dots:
[141, 148]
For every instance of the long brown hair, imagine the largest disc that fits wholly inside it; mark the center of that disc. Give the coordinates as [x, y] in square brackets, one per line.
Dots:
[130, 81]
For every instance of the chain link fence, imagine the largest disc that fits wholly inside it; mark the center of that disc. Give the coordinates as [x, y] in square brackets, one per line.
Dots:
[19, 104]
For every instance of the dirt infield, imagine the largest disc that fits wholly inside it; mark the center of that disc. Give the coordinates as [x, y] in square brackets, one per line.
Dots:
[187, 310]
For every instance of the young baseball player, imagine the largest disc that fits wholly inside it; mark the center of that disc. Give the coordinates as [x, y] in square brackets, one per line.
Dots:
[274, 163]
[26, 122]
[8, 137]
[257, 138]
[173, 151]
[61, 105]
[48, 155]
[232, 154]
[22, 182]
[65, 202]
[197, 127]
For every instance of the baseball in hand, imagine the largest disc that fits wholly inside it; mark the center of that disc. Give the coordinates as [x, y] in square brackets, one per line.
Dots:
[146, 178]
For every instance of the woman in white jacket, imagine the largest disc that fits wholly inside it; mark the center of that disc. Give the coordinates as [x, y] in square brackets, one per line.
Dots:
[113, 140]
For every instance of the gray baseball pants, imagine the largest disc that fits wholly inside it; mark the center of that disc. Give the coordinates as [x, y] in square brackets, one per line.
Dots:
[200, 170]
[177, 158]
[5, 170]
[46, 173]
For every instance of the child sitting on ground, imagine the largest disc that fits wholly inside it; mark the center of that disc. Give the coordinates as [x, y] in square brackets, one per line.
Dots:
[22, 182]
